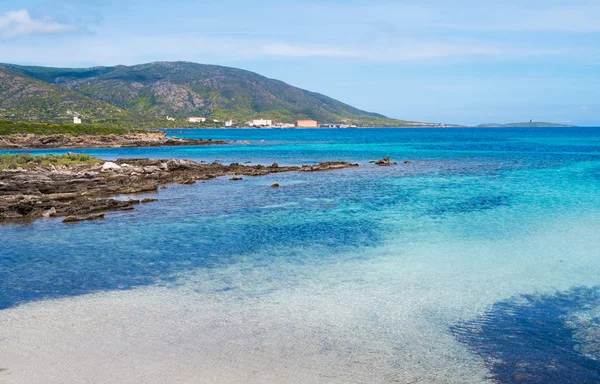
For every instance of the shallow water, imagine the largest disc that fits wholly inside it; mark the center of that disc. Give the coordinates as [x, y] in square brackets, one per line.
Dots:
[447, 269]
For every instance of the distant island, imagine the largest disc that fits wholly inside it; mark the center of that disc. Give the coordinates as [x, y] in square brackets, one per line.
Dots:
[530, 124]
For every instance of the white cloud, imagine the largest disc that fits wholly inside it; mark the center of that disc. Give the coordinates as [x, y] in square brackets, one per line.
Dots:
[583, 108]
[19, 23]
[135, 49]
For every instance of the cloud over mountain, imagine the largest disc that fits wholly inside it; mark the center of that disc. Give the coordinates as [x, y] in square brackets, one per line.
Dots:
[15, 24]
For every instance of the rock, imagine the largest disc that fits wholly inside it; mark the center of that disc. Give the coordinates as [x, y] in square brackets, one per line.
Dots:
[151, 169]
[275, 185]
[148, 200]
[49, 213]
[22, 209]
[385, 162]
[236, 178]
[274, 165]
[175, 165]
[189, 182]
[326, 166]
[75, 219]
[407, 161]
[110, 166]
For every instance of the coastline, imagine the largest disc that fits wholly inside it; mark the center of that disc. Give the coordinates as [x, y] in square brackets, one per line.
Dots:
[144, 139]
[81, 192]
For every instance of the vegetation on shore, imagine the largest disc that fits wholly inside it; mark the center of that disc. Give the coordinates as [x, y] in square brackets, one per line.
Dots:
[25, 160]
[25, 127]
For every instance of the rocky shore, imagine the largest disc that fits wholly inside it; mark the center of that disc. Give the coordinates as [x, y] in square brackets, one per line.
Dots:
[82, 192]
[146, 139]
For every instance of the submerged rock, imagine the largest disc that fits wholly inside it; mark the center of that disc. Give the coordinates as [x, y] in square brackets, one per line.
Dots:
[74, 219]
[275, 185]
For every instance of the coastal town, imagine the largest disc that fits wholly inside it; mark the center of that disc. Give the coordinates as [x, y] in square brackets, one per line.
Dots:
[266, 123]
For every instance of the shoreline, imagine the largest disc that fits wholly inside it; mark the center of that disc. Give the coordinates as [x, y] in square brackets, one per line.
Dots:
[83, 192]
[53, 141]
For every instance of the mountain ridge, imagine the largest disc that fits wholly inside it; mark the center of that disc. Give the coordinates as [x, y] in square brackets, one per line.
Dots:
[182, 89]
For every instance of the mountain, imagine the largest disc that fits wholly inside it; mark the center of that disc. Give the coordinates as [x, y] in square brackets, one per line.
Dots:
[26, 98]
[160, 89]
[533, 124]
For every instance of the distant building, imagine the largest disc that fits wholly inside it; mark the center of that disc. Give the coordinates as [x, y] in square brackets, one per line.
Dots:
[196, 119]
[284, 125]
[337, 125]
[76, 120]
[170, 118]
[307, 124]
[231, 123]
[260, 123]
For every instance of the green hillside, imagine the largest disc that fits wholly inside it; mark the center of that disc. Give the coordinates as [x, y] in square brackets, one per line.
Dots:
[178, 89]
[26, 98]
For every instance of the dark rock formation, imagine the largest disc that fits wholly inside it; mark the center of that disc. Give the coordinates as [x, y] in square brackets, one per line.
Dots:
[385, 162]
[85, 189]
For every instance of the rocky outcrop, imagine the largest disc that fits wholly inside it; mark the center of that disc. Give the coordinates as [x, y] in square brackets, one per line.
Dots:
[150, 139]
[85, 189]
[385, 162]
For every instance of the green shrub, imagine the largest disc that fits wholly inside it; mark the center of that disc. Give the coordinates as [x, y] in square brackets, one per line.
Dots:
[27, 160]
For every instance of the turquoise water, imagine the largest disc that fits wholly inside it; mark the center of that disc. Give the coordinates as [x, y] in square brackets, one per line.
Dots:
[476, 261]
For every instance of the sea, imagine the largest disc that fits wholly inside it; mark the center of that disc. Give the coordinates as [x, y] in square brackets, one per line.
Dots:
[475, 259]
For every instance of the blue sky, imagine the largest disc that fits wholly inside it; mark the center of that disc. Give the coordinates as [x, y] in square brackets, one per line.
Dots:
[430, 60]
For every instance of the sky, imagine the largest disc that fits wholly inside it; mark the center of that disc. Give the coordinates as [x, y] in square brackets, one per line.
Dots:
[464, 62]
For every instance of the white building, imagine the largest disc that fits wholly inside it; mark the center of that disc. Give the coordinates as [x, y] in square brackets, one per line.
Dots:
[76, 120]
[195, 119]
[260, 123]
[284, 125]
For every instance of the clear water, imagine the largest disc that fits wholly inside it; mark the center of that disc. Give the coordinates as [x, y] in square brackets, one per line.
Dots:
[477, 261]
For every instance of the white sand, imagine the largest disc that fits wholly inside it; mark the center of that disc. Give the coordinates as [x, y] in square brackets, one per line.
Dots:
[380, 320]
